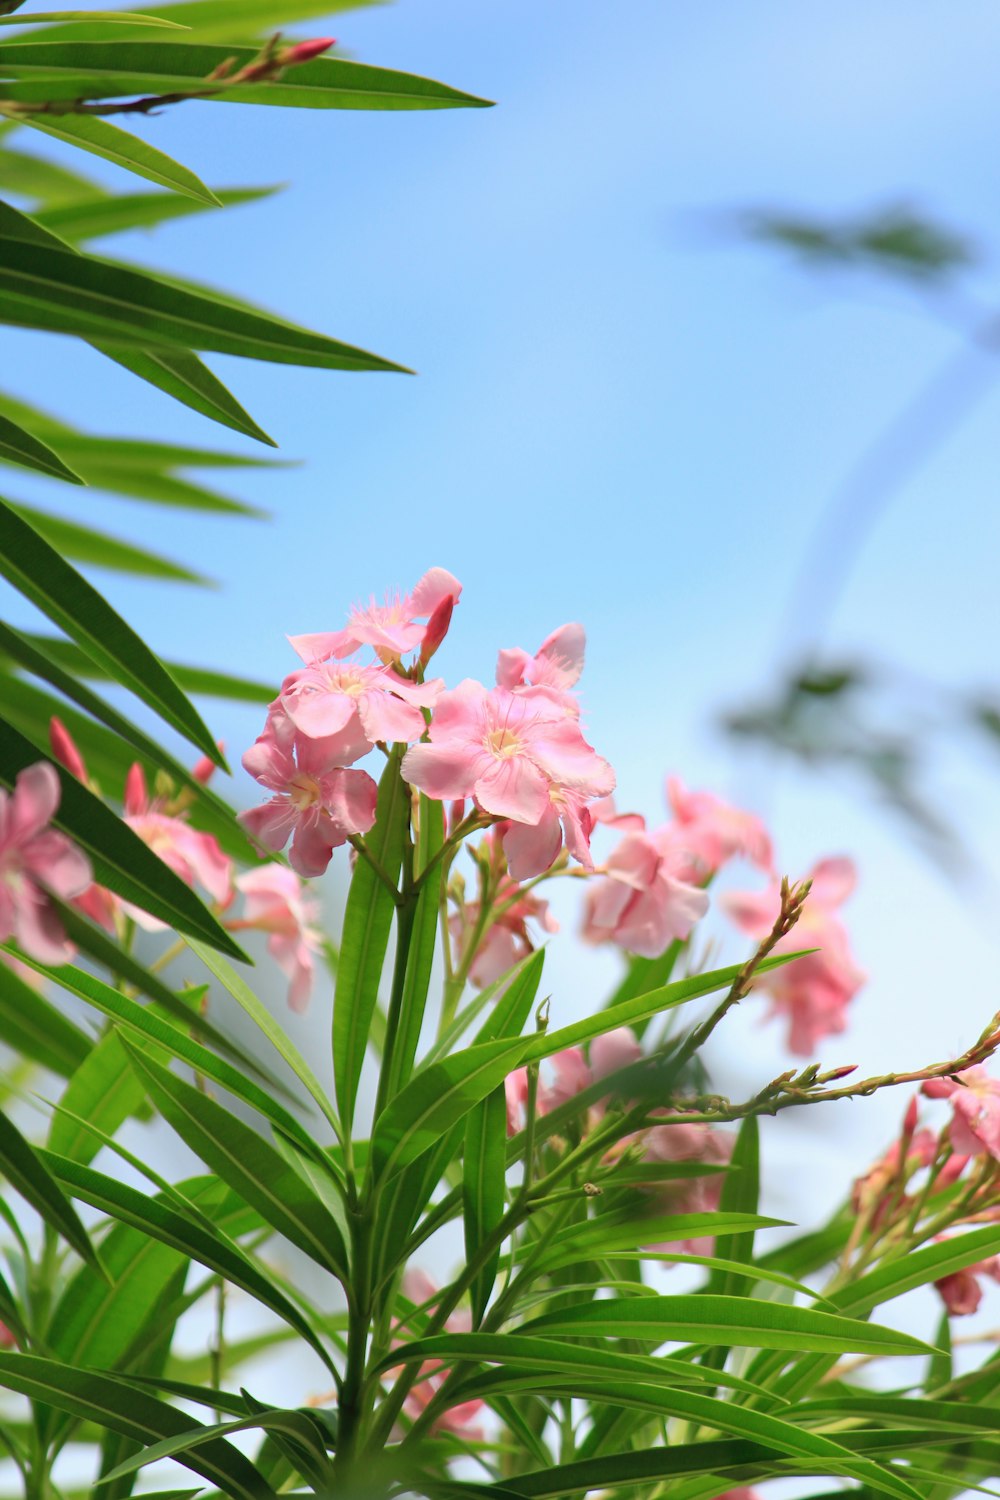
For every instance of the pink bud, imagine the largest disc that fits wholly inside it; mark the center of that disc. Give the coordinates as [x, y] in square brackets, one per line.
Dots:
[843, 1072]
[437, 628]
[303, 52]
[136, 797]
[7, 1339]
[204, 769]
[911, 1116]
[64, 749]
[952, 1170]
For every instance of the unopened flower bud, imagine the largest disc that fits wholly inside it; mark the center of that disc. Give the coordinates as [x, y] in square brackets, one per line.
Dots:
[64, 749]
[204, 769]
[303, 52]
[437, 628]
[911, 1116]
[952, 1170]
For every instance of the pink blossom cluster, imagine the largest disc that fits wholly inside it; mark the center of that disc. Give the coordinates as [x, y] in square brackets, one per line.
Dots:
[571, 1072]
[460, 1419]
[275, 900]
[515, 750]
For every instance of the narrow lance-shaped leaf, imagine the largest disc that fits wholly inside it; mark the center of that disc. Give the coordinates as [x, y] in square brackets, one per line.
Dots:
[709, 1319]
[103, 139]
[99, 549]
[61, 69]
[179, 373]
[247, 1162]
[36, 1029]
[93, 218]
[117, 1405]
[416, 943]
[367, 924]
[20, 1164]
[34, 568]
[20, 447]
[484, 1189]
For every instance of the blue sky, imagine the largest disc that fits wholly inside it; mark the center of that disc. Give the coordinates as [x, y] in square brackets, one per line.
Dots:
[622, 415]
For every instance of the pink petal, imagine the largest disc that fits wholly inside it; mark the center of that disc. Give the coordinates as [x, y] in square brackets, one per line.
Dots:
[512, 788]
[33, 802]
[37, 928]
[442, 771]
[435, 585]
[56, 862]
[321, 646]
[272, 824]
[387, 718]
[566, 647]
[833, 880]
[530, 849]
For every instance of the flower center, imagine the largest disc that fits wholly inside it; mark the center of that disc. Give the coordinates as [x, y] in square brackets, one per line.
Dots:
[503, 743]
[304, 791]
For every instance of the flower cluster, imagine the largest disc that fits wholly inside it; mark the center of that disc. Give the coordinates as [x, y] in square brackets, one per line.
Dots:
[36, 863]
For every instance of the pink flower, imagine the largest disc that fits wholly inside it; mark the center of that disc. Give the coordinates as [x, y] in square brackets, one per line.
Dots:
[644, 903]
[391, 627]
[975, 1099]
[960, 1291]
[507, 939]
[613, 1051]
[317, 803]
[882, 1185]
[570, 1076]
[557, 664]
[354, 707]
[813, 992]
[713, 832]
[690, 1195]
[191, 854]
[516, 1090]
[276, 903]
[460, 1419]
[523, 758]
[36, 863]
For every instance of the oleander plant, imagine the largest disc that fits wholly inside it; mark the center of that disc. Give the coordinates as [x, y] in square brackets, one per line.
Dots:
[505, 1240]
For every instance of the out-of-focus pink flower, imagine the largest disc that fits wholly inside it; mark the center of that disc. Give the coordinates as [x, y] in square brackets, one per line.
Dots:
[814, 991]
[643, 904]
[317, 803]
[7, 1339]
[66, 751]
[523, 758]
[961, 1291]
[36, 863]
[613, 1051]
[975, 1099]
[353, 707]
[507, 939]
[713, 832]
[460, 1419]
[557, 664]
[391, 627]
[191, 854]
[570, 1075]
[276, 902]
[690, 1195]
[516, 1091]
[96, 902]
[605, 811]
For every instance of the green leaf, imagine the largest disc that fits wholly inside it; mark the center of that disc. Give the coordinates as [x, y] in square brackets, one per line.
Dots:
[415, 945]
[34, 568]
[153, 1028]
[92, 17]
[192, 679]
[484, 1189]
[35, 1029]
[66, 292]
[117, 1405]
[164, 1224]
[740, 1192]
[100, 215]
[607, 1234]
[10, 1312]
[652, 1394]
[221, 21]
[33, 177]
[100, 550]
[52, 70]
[245, 1161]
[105, 1092]
[103, 139]
[244, 996]
[367, 924]
[25, 1172]
[19, 447]
[295, 1424]
[741, 1321]
[180, 374]
[120, 859]
[917, 1268]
